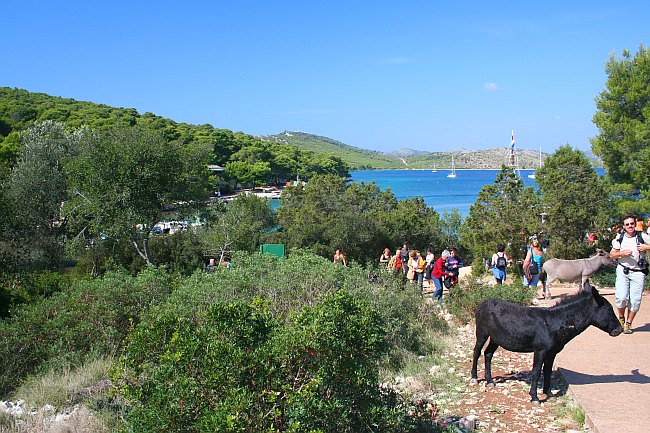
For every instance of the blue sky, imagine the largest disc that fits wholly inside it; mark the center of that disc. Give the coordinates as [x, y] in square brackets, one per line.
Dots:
[380, 75]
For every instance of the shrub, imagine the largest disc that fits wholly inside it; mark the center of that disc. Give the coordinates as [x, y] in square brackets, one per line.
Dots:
[239, 369]
[305, 279]
[180, 252]
[17, 290]
[466, 297]
[90, 318]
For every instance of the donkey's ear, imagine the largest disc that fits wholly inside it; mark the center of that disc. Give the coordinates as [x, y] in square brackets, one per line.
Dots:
[597, 296]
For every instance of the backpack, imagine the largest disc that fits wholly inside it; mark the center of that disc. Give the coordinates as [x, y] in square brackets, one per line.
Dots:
[534, 269]
[639, 240]
[639, 237]
[501, 262]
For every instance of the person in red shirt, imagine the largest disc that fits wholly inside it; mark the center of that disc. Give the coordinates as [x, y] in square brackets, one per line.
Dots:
[438, 273]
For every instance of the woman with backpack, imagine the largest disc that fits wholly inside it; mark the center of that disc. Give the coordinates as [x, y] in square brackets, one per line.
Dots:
[499, 264]
[533, 266]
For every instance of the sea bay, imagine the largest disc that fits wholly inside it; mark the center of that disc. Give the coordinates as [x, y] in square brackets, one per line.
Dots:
[438, 191]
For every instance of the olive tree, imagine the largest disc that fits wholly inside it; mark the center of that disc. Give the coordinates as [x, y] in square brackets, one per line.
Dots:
[119, 184]
[36, 189]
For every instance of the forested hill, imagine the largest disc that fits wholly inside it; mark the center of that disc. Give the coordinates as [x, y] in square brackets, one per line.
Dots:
[21, 108]
[357, 158]
[406, 158]
[248, 159]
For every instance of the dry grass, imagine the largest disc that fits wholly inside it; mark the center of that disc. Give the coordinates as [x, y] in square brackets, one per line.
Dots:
[80, 420]
[71, 392]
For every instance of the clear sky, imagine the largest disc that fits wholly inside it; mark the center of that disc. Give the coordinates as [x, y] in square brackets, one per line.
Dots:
[427, 75]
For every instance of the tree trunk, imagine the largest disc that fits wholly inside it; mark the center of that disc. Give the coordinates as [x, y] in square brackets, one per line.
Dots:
[143, 252]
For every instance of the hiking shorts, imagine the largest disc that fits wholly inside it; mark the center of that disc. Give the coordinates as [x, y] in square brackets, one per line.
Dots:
[629, 289]
[499, 274]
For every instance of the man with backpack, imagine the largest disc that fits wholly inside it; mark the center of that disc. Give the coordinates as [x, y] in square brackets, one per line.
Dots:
[500, 262]
[627, 249]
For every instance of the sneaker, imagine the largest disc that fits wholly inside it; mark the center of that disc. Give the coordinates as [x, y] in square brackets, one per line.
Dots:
[627, 329]
[622, 320]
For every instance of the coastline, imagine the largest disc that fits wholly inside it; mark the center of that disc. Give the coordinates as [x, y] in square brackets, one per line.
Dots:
[268, 192]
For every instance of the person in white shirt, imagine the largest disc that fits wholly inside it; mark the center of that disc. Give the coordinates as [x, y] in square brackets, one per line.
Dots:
[627, 249]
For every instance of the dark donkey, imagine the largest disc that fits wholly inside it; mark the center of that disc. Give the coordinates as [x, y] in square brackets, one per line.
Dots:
[543, 331]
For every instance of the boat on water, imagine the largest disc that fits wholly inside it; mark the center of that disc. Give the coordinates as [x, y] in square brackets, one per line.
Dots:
[434, 168]
[452, 174]
[532, 175]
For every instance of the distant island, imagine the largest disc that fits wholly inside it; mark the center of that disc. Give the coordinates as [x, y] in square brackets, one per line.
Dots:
[363, 159]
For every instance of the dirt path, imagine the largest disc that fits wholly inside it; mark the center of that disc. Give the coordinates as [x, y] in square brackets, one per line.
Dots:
[506, 407]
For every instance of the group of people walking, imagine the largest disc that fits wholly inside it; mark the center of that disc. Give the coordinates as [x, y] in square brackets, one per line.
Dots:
[532, 265]
[440, 272]
[628, 249]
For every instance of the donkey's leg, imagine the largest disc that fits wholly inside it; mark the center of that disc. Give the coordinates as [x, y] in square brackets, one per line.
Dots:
[489, 352]
[548, 371]
[538, 360]
[480, 342]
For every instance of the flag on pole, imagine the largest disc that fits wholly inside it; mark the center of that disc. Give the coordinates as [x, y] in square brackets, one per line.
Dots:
[512, 141]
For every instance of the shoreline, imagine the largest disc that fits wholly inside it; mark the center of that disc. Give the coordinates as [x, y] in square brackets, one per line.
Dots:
[268, 192]
[438, 169]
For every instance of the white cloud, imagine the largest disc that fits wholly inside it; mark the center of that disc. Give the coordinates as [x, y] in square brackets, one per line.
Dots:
[491, 87]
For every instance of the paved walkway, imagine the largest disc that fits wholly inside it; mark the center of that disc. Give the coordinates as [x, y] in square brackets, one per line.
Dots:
[609, 377]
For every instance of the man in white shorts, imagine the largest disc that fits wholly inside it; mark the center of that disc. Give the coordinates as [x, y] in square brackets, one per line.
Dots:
[627, 249]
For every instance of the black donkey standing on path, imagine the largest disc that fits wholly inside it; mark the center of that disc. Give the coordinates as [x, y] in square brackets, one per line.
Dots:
[543, 331]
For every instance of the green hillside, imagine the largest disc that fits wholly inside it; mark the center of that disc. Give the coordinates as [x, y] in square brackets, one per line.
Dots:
[21, 108]
[360, 159]
[356, 158]
[248, 160]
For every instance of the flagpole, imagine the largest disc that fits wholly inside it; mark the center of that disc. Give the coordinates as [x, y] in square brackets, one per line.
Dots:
[512, 149]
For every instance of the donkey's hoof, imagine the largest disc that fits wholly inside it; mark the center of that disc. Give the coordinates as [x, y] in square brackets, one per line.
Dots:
[473, 381]
[535, 403]
[491, 384]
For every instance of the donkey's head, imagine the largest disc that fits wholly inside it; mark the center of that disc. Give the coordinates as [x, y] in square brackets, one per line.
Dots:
[603, 316]
[605, 259]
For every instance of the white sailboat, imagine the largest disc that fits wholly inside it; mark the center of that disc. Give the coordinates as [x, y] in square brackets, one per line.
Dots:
[532, 175]
[434, 168]
[453, 168]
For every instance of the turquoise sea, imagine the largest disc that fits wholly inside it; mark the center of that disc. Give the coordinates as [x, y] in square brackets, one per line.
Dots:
[439, 192]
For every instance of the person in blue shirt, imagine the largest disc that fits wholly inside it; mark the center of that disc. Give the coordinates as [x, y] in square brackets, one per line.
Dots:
[453, 265]
[533, 266]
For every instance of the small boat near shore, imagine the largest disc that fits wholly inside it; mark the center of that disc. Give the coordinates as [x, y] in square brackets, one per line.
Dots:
[452, 175]
[532, 175]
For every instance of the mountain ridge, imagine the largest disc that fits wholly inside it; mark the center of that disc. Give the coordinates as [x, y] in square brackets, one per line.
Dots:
[362, 159]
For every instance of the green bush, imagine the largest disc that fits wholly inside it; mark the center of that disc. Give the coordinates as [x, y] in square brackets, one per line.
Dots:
[305, 279]
[466, 297]
[20, 289]
[180, 252]
[606, 277]
[90, 318]
[237, 369]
